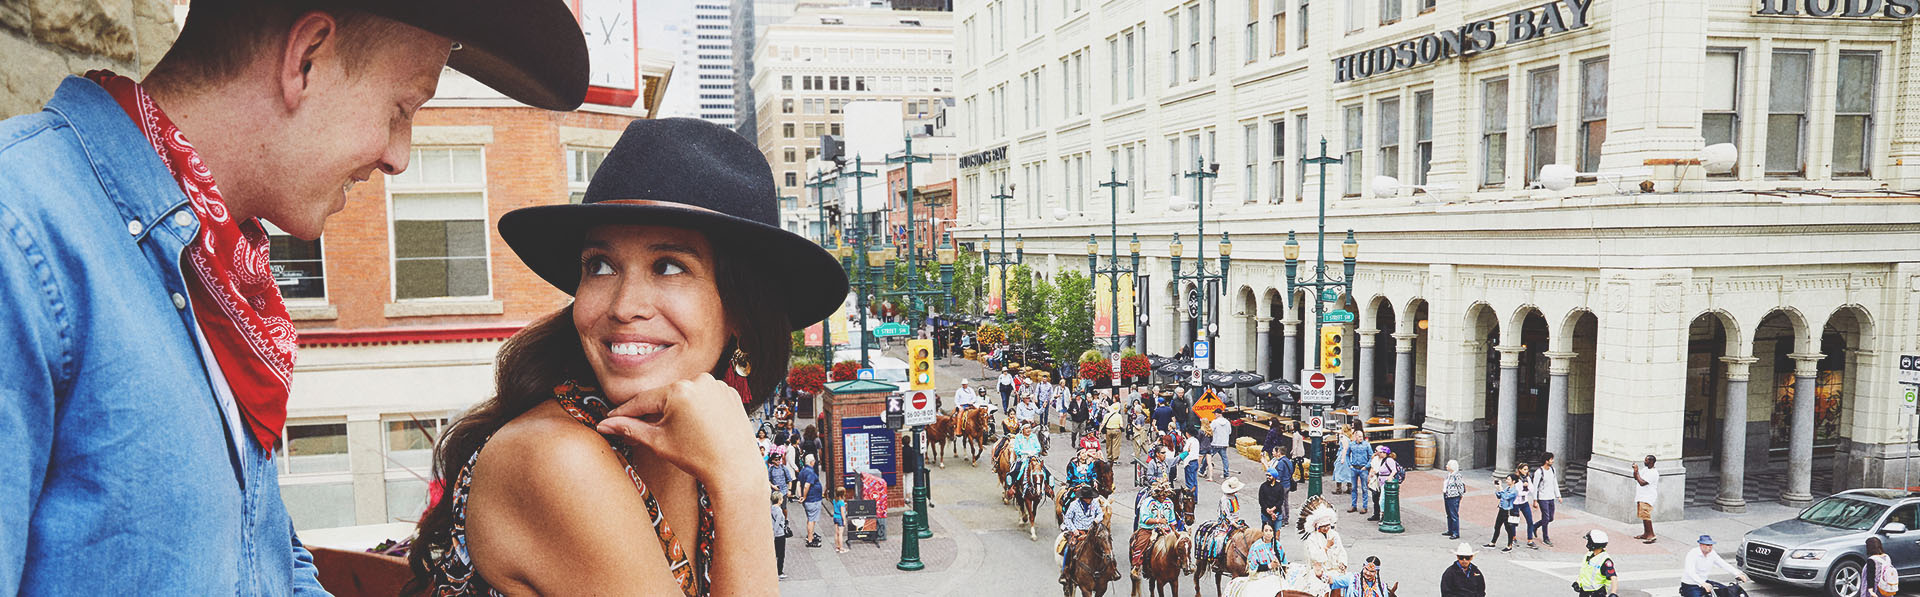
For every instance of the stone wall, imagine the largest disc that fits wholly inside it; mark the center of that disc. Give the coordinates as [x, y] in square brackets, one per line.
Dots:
[46, 40]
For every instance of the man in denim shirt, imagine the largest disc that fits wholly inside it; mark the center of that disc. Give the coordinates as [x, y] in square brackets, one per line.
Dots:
[144, 391]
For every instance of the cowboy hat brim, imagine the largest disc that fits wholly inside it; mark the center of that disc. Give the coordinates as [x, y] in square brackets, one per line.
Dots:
[548, 239]
[533, 52]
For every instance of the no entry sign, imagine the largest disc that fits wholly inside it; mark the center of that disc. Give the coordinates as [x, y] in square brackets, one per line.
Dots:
[1317, 387]
[919, 408]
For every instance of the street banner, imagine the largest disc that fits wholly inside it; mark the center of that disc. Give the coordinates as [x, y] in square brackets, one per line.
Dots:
[813, 334]
[840, 331]
[1103, 318]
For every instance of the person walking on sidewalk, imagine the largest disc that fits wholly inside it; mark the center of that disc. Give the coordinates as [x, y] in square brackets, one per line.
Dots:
[1463, 579]
[1116, 425]
[1273, 498]
[1644, 496]
[1451, 491]
[1221, 431]
[1597, 575]
[1700, 564]
[1359, 455]
[1523, 501]
[1506, 492]
[1546, 493]
[815, 490]
[1006, 389]
[1343, 468]
[1879, 578]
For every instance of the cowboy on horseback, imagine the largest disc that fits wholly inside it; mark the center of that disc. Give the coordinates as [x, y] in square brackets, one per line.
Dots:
[1081, 514]
[1155, 516]
[965, 398]
[1025, 446]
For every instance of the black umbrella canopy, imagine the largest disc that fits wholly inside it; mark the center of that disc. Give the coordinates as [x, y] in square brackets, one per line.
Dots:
[1246, 379]
[1271, 388]
[1219, 379]
[1157, 361]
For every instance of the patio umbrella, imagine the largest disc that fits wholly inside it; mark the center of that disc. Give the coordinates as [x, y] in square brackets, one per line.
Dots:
[1219, 379]
[1246, 379]
[1156, 361]
[1176, 370]
[1278, 387]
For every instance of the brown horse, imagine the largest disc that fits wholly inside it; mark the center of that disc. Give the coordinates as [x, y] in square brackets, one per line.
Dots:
[1002, 466]
[1092, 566]
[1166, 562]
[938, 435]
[1183, 503]
[974, 431]
[1032, 485]
[1230, 560]
[1103, 477]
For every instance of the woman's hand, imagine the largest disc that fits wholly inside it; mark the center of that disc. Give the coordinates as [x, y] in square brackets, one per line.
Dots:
[697, 425]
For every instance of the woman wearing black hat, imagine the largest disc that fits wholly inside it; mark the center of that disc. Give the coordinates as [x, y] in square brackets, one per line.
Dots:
[685, 290]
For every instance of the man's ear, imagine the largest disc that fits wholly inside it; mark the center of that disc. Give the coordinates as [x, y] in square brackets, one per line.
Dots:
[311, 36]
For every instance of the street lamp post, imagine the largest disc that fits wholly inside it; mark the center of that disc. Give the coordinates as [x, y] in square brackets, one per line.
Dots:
[1200, 277]
[915, 287]
[819, 184]
[1019, 251]
[1321, 279]
[1113, 269]
[859, 262]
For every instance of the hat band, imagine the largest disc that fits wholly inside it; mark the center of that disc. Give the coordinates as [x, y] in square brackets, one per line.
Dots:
[655, 203]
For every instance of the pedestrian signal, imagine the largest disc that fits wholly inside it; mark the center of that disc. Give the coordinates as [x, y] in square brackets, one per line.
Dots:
[920, 364]
[1331, 338]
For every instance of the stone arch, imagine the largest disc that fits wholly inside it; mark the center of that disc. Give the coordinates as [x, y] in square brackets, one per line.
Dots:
[1483, 330]
[1245, 310]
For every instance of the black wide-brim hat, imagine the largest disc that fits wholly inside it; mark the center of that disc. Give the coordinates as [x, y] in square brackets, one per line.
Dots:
[684, 173]
[530, 50]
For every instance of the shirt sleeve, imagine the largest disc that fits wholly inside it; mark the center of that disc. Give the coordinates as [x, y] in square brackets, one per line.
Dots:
[33, 375]
[306, 578]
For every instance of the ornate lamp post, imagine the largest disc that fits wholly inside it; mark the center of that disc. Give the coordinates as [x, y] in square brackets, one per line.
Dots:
[860, 262]
[1196, 303]
[819, 183]
[915, 287]
[1113, 270]
[1019, 249]
[1319, 280]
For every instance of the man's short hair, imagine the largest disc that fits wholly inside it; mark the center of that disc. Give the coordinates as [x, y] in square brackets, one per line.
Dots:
[220, 37]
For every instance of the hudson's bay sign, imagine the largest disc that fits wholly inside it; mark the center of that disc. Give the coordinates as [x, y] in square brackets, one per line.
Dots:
[1472, 38]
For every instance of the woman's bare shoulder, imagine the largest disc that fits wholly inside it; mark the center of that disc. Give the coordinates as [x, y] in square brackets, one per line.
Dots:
[545, 450]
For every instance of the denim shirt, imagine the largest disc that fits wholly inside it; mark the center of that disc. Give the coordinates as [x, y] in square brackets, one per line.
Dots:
[117, 475]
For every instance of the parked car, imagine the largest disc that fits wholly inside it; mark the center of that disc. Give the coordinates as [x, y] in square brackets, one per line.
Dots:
[1825, 546]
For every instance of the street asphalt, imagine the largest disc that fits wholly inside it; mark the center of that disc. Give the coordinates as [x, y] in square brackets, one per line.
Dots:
[978, 547]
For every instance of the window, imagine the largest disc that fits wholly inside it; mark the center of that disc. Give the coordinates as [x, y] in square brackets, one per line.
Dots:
[1173, 48]
[1853, 113]
[789, 155]
[440, 225]
[1173, 166]
[1422, 136]
[1303, 24]
[1213, 36]
[1279, 28]
[786, 106]
[1356, 10]
[582, 163]
[1133, 184]
[1493, 132]
[1129, 65]
[1543, 114]
[1787, 113]
[793, 179]
[409, 446]
[1250, 138]
[316, 481]
[1079, 90]
[786, 82]
[1389, 12]
[1252, 41]
[786, 130]
[296, 264]
[1593, 112]
[1720, 116]
[1389, 121]
[1426, 6]
[1354, 118]
[1113, 70]
[1277, 155]
[1193, 41]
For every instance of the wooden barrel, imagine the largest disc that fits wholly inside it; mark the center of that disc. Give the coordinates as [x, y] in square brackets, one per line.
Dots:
[1425, 448]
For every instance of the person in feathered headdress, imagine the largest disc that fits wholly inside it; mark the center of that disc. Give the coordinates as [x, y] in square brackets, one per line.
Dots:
[1326, 555]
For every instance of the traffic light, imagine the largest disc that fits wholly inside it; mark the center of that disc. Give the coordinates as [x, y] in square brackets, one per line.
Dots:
[920, 364]
[1330, 341]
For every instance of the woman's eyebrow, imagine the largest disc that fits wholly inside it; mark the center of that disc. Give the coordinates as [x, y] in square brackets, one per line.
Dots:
[668, 247]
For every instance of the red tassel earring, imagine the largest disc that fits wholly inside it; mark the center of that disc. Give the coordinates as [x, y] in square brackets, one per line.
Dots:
[736, 375]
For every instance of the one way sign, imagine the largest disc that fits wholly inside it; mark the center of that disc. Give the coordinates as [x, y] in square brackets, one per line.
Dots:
[1910, 369]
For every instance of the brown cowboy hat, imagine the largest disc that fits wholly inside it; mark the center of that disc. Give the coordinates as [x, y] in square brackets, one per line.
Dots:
[530, 50]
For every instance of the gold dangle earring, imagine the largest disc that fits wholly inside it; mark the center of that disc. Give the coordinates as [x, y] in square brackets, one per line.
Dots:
[741, 366]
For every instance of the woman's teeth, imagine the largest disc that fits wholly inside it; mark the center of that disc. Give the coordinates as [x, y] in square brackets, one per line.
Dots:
[635, 348]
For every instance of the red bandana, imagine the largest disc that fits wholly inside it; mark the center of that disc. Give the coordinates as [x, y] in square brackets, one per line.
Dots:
[236, 302]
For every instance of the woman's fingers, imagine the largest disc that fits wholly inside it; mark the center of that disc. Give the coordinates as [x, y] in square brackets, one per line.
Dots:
[631, 429]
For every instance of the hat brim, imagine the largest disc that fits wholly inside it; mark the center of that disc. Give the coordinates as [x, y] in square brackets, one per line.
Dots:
[533, 52]
[548, 238]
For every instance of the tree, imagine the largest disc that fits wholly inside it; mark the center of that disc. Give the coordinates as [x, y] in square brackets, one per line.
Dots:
[1033, 297]
[968, 275]
[1071, 328]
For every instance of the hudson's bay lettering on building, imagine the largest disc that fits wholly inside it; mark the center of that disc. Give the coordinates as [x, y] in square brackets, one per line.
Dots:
[1476, 37]
[1896, 9]
[983, 158]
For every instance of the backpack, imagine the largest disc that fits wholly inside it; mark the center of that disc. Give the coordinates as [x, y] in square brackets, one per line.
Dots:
[1399, 472]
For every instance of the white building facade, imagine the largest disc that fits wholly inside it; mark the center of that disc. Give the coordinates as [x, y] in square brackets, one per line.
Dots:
[1648, 300]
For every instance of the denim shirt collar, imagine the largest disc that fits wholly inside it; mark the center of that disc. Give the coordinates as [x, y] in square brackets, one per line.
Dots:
[135, 180]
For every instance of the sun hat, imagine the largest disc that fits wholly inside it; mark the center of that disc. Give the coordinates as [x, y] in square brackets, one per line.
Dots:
[1231, 485]
[685, 173]
[533, 51]
[1706, 540]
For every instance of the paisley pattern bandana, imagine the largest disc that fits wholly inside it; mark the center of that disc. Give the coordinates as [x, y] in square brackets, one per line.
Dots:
[236, 303]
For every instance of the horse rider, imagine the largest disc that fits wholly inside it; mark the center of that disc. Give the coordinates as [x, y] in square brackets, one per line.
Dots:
[1326, 553]
[1154, 516]
[965, 398]
[1597, 577]
[1080, 469]
[1265, 554]
[1159, 464]
[1081, 513]
[1090, 440]
[1230, 503]
[1025, 445]
[1365, 583]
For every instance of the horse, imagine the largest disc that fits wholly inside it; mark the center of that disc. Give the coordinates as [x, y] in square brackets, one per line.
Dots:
[1092, 566]
[1033, 485]
[938, 434]
[1002, 465]
[1060, 506]
[1103, 477]
[1165, 562]
[1222, 548]
[1183, 503]
[974, 431]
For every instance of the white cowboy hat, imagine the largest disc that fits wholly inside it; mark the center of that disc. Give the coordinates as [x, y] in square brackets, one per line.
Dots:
[1231, 485]
[1463, 551]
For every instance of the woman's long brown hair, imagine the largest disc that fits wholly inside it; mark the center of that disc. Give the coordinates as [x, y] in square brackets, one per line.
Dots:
[547, 353]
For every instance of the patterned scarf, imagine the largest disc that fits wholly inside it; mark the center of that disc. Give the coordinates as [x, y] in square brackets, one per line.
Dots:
[236, 303]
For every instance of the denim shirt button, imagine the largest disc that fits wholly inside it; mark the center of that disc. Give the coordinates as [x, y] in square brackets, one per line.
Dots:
[133, 227]
[179, 302]
[182, 219]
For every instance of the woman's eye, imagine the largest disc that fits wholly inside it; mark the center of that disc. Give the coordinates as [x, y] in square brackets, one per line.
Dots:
[669, 268]
[597, 266]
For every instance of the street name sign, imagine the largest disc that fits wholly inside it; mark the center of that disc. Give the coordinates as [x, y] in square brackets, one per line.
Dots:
[1316, 387]
[1329, 295]
[919, 408]
[1337, 316]
[890, 330]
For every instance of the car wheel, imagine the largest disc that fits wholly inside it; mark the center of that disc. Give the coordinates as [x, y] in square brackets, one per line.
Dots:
[1844, 579]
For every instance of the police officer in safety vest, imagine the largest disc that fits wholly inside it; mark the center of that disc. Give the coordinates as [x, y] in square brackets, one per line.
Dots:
[1597, 576]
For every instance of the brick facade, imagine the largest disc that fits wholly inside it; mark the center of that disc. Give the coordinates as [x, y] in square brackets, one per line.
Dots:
[844, 406]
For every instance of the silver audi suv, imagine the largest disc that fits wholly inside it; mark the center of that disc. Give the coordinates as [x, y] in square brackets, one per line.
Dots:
[1825, 547]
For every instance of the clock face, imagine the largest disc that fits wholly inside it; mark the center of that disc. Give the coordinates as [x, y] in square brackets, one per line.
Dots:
[609, 29]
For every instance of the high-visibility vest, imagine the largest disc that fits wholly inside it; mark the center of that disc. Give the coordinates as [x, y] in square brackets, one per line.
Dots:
[1590, 578]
